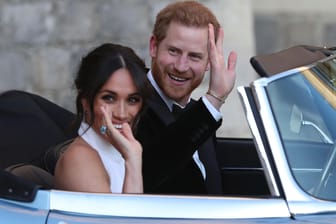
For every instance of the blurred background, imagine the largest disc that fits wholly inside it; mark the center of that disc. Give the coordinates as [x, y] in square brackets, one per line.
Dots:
[42, 41]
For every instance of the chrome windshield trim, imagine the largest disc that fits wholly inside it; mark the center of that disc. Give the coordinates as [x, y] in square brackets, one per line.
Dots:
[270, 177]
[266, 80]
[291, 189]
[156, 206]
[299, 201]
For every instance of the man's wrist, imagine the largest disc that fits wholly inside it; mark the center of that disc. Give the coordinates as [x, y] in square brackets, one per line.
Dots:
[214, 109]
[215, 96]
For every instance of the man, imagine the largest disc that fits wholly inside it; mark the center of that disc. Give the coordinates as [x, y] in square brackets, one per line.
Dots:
[179, 151]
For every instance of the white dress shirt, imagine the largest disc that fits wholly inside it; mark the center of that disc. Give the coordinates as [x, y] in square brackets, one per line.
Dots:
[214, 112]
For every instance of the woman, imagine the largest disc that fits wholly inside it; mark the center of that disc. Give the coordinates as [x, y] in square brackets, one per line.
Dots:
[105, 157]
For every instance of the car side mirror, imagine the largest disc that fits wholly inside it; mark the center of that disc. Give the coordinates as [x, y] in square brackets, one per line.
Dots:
[297, 121]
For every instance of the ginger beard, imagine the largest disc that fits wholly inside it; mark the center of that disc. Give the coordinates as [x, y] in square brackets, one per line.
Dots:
[177, 86]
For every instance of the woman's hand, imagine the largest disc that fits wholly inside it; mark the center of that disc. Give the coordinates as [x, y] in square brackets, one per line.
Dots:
[131, 150]
[122, 139]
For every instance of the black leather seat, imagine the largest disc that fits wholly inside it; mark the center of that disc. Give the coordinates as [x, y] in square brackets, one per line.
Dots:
[29, 126]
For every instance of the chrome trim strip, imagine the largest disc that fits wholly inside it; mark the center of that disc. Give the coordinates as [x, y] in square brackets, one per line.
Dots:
[259, 143]
[161, 206]
[305, 170]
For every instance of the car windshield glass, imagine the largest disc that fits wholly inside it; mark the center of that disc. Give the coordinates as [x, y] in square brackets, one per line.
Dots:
[304, 107]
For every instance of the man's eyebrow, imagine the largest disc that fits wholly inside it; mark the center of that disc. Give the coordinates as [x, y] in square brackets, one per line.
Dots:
[196, 54]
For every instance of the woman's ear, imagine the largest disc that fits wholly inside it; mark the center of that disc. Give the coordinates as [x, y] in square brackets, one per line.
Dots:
[86, 110]
[85, 104]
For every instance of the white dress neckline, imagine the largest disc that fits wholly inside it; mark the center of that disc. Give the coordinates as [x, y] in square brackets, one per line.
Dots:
[112, 160]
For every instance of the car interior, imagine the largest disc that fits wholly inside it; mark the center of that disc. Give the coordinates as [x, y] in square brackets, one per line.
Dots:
[43, 128]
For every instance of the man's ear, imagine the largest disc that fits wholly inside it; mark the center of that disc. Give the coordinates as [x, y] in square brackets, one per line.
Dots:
[208, 66]
[153, 45]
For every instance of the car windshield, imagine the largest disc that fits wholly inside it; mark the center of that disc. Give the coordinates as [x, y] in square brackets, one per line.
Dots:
[304, 107]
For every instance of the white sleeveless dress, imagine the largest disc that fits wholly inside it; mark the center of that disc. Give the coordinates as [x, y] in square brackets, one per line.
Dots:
[113, 162]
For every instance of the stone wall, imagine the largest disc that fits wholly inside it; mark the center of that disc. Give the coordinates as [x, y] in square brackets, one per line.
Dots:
[41, 41]
[282, 24]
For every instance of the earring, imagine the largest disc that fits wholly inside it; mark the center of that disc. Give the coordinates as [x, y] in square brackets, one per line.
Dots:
[103, 129]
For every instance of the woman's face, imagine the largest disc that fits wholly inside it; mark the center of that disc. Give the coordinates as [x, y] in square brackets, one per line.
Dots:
[120, 97]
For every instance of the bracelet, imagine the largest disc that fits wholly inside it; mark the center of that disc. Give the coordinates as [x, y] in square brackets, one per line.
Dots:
[220, 99]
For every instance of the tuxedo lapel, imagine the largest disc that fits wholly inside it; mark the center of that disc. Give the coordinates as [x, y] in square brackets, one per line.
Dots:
[206, 151]
[208, 157]
[156, 103]
[180, 173]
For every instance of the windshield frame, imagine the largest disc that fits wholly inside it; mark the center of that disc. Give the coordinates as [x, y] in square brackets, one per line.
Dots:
[292, 189]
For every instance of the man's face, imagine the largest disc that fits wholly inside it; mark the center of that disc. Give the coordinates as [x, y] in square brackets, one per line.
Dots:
[180, 60]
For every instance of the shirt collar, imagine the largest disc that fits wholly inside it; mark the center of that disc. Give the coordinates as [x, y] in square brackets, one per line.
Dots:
[169, 102]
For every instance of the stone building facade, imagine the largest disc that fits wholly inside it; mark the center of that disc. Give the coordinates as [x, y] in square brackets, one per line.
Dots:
[42, 41]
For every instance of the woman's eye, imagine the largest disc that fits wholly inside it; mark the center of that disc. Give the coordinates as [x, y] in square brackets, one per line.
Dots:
[108, 98]
[134, 100]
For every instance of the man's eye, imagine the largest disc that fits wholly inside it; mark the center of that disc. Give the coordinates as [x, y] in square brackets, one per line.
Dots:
[195, 57]
[172, 51]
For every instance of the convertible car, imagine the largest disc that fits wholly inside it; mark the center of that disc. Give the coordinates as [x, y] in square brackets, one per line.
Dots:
[286, 173]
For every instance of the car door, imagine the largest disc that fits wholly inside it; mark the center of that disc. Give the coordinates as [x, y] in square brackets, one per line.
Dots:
[74, 207]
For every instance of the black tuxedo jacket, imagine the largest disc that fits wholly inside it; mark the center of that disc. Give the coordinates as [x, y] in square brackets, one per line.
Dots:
[168, 147]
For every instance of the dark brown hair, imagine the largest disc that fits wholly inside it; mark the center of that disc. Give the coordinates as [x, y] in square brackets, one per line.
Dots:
[96, 68]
